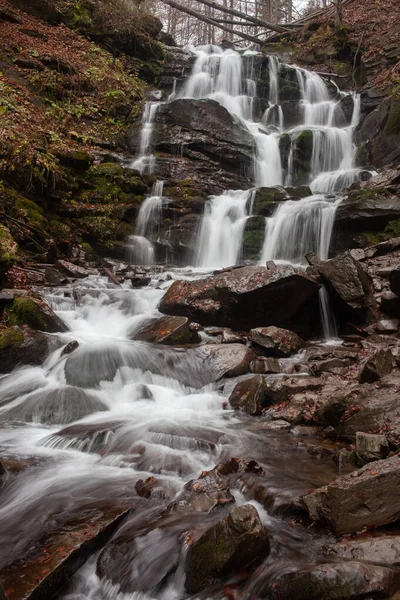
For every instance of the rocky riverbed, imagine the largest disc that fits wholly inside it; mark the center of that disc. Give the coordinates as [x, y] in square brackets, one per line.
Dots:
[232, 460]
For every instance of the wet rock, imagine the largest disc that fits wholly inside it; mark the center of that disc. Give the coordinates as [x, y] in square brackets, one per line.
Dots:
[70, 347]
[60, 405]
[167, 330]
[266, 200]
[21, 346]
[54, 277]
[146, 488]
[367, 210]
[349, 285]
[85, 437]
[53, 563]
[368, 408]
[249, 395]
[229, 546]
[231, 337]
[365, 498]
[205, 133]
[395, 281]
[264, 366]
[178, 63]
[388, 325]
[35, 313]
[139, 281]
[72, 270]
[379, 549]
[377, 366]
[275, 341]
[246, 297]
[371, 447]
[228, 360]
[350, 580]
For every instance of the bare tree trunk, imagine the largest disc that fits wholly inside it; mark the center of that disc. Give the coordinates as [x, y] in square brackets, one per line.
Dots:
[237, 13]
[338, 13]
[205, 19]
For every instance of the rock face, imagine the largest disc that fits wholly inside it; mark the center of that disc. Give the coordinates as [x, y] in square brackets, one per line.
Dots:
[379, 133]
[371, 447]
[245, 298]
[275, 341]
[229, 546]
[368, 497]
[344, 581]
[167, 330]
[21, 346]
[208, 140]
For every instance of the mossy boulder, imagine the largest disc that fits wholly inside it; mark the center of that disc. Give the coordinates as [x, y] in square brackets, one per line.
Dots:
[21, 345]
[75, 159]
[253, 238]
[113, 183]
[8, 250]
[35, 313]
[302, 156]
[266, 199]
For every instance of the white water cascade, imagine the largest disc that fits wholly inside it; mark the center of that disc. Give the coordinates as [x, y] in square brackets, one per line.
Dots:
[140, 245]
[145, 160]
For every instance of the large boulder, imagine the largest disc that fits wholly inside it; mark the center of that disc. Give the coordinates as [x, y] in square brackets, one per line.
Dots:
[383, 548]
[226, 360]
[167, 330]
[21, 346]
[246, 298]
[349, 286]
[276, 341]
[350, 580]
[228, 547]
[368, 497]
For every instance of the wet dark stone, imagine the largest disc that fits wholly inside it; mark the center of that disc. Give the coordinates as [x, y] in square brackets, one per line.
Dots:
[60, 405]
[234, 543]
[367, 497]
[344, 581]
[377, 366]
[172, 331]
[21, 346]
[394, 279]
[276, 341]
[249, 395]
[246, 297]
[70, 347]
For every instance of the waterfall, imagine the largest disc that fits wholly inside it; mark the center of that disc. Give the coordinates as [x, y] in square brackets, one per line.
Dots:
[329, 327]
[221, 232]
[140, 246]
[145, 160]
[298, 227]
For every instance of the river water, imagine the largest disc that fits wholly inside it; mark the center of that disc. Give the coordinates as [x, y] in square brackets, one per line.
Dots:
[114, 411]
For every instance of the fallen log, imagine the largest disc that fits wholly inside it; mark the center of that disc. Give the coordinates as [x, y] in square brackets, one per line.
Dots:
[238, 13]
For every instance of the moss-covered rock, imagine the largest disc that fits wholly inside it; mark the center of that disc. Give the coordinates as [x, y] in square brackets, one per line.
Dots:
[21, 345]
[8, 250]
[35, 313]
[253, 238]
[302, 156]
[75, 159]
[266, 200]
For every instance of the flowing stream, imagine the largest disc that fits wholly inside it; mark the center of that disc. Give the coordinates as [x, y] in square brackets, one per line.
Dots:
[114, 411]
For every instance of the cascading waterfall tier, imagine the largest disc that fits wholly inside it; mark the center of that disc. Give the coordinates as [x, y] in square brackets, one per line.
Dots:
[141, 245]
[317, 151]
[145, 160]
